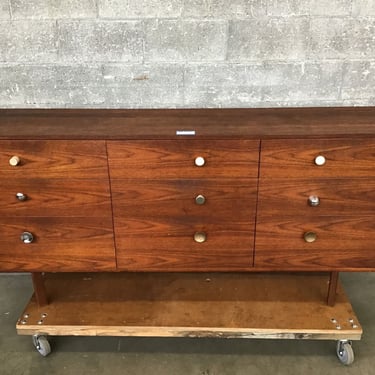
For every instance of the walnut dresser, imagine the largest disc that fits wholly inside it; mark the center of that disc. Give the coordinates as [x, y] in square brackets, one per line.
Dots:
[187, 190]
[188, 204]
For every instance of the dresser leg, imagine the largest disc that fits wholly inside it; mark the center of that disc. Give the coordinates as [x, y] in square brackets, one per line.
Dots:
[332, 288]
[39, 289]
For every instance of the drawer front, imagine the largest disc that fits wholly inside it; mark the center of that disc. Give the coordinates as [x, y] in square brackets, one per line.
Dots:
[59, 244]
[178, 159]
[170, 243]
[55, 197]
[157, 224]
[298, 158]
[337, 243]
[53, 159]
[144, 245]
[192, 201]
[316, 197]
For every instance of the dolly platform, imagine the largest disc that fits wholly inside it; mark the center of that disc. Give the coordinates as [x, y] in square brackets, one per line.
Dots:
[222, 305]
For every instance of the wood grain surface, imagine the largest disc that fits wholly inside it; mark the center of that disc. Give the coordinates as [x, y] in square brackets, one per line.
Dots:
[162, 199]
[60, 244]
[295, 158]
[342, 243]
[55, 197]
[207, 123]
[191, 305]
[339, 196]
[170, 159]
[54, 159]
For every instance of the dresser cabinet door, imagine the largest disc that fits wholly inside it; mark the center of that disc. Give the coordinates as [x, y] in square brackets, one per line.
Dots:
[316, 208]
[185, 205]
[56, 207]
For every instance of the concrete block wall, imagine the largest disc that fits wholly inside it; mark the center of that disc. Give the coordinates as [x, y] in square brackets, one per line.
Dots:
[186, 53]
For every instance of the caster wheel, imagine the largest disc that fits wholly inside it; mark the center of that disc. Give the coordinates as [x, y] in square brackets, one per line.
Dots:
[42, 345]
[345, 352]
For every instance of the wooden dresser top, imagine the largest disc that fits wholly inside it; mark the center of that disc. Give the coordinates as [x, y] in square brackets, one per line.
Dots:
[205, 123]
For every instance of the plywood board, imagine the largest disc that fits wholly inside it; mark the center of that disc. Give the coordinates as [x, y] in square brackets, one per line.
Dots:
[191, 305]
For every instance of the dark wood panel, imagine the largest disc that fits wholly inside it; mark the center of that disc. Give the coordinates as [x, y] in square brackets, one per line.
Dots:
[163, 123]
[176, 198]
[54, 159]
[60, 244]
[342, 243]
[178, 232]
[56, 197]
[171, 160]
[295, 158]
[169, 244]
[289, 197]
[315, 260]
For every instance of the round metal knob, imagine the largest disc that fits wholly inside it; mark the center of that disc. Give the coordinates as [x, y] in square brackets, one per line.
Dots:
[200, 237]
[200, 199]
[21, 197]
[27, 237]
[310, 237]
[320, 160]
[14, 161]
[313, 201]
[199, 161]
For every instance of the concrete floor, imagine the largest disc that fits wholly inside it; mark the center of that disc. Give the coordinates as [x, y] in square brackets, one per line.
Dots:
[101, 355]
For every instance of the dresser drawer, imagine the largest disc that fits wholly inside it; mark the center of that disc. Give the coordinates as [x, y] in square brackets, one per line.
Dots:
[193, 201]
[59, 244]
[183, 159]
[55, 197]
[170, 246]
[299, 158]
[53, 159]
[316, 197]
[337, 242]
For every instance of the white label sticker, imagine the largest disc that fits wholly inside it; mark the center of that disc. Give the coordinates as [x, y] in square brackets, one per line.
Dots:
[185, 132]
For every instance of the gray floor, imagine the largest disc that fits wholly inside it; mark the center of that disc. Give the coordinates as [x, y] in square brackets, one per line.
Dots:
[100, 355]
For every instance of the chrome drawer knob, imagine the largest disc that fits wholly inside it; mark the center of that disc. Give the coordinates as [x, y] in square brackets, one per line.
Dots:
[200, 199]
[200, 237]
[310, 237]
[314, 201]
[14, 161]
[27, 237]
[199, 161]
[320, 160]
[21, 197]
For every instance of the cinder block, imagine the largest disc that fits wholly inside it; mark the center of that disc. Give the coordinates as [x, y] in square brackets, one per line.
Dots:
[223, 9]
[309, 7]
[15, 85]
[137, 86]
[341, 38]
[50, 85]
[4, 10]
[176, 40]
[363, 7]
[125, 9]
[268, 39]
[29, 41]
[359, 80]
[41, 9]
[304, 82]
[100, 41]
[287, 8]
[223, 85]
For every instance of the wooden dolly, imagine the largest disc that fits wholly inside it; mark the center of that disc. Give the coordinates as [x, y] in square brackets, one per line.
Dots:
[222, 305]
